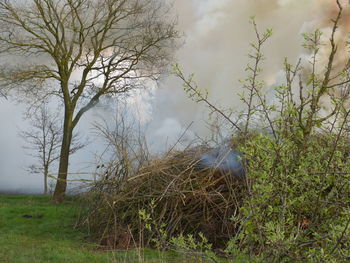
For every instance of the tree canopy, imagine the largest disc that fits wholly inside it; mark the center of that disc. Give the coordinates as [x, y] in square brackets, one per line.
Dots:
[81, 50]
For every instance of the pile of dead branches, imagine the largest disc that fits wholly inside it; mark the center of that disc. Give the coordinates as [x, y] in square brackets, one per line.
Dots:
[177, 194]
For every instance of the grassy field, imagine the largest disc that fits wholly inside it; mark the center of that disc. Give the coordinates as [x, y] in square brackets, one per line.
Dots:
[33, 230]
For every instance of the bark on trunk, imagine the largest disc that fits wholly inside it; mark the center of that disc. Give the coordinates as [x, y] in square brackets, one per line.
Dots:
[61, 184]
[46, 172]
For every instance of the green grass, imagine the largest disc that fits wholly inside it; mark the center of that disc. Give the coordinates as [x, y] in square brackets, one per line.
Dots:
[49, 235]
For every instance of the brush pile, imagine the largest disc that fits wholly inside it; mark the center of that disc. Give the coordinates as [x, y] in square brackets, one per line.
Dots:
[177, 193]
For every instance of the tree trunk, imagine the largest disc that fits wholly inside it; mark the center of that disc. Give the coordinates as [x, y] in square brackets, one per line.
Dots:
[61, 184]
[46, 172]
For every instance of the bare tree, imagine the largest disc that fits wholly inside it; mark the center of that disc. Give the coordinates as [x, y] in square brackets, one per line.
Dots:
[82, 50]
[43, 140]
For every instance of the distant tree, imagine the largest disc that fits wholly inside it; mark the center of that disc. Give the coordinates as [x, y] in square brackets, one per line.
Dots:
[43, 140]
[80, 51]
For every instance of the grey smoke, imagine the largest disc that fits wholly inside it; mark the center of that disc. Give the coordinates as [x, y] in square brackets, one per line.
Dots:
[224, 159]
[215, 50]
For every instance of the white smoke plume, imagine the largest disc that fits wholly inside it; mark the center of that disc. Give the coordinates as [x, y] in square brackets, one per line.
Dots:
[218, 34]
[217, 43]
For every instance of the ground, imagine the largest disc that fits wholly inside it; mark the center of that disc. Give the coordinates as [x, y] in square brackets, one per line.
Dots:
[34, 230]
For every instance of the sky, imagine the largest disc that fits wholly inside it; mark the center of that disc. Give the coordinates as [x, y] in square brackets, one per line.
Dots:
[216, 41]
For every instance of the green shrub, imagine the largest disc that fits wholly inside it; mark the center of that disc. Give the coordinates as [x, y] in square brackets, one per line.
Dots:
[296, 207]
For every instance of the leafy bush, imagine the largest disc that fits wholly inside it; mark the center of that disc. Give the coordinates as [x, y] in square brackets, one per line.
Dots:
[297, 206]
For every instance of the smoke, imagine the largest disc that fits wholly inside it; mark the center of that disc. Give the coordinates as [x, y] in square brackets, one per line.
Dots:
[217, 37]
[13, 177]
[225, 160]
[216, 43]
[325, 11]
